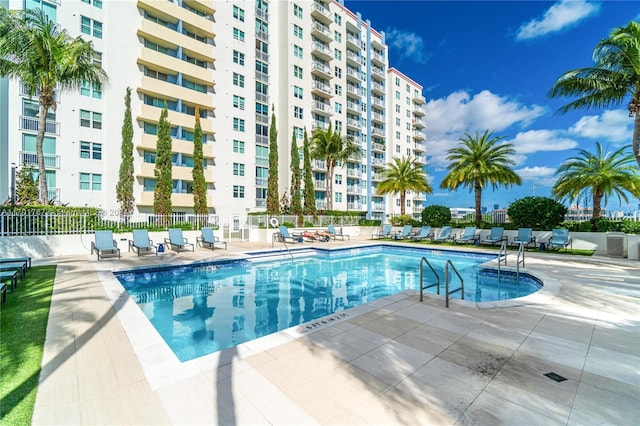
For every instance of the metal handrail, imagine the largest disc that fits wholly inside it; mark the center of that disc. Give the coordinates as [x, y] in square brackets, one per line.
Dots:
[518, 261]
[437, 284]
[502, 254]
[446, 279]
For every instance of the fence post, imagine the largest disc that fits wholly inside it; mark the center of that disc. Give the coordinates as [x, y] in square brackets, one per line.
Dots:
[46, 224]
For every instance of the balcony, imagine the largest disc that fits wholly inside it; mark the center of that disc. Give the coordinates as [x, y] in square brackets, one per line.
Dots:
[319, 68]
[353, 90]
[377, 88]
[418, 135]
[261, 76]
[377, 72]
[377, 147]
[378, 102]
[159, 34]
[323, 108]
[161, 89]
[261, 202]
[418, 111]
[353, 189]
[377, 132]
[321, 205]
[353, 74]
[418, 123]
[151, 113]
[377, 117]
[51, 161]
[353, 107]
[420, 159]
[418, 99]
[321, 50]
[262, 140]
[319, 165]
[152, 59]
[262, 56]
[262, 14]
[177, 200]
[262, 35]
[354, 173]
[419, 146]
[321, 12]
[377, 177]
[36, 94]
[379, 162]
[377, 206]
[31, 124]
[320, 184]
[377, 58]
[354, 41]
[353, 123]
[262, 182]
[353, 206]
[196, 18]
[317, 124]
[322, 88]
[353, 58]
[321, 31]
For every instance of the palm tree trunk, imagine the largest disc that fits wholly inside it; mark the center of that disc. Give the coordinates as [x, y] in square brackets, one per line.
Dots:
[42, 173]
[478, 204]
[330, 186]
[403, 196]
[597, 210]
[636, 137]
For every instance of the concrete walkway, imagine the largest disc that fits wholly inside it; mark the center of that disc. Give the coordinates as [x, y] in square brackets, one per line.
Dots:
[394, 361]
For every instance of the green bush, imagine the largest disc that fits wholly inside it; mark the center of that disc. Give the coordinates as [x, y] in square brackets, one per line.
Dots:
[369, 222]
[288, 224]
[404, 220]
[604, 225]
[436, 216]
[539, 213]
[307, 224]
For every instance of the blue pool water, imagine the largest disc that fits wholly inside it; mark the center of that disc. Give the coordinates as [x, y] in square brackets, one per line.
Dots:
[203, 308]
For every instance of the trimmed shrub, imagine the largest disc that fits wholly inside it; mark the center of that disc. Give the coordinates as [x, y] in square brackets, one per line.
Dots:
[436, 216]
[539, 213]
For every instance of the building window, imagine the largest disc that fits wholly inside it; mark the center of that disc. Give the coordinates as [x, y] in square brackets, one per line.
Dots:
[90, 119]
[397, 82]
[238, 124]
[337, 54]
[338, 90]
[297, 11]
[238, 13]
[408, 126]
[398, 149]
[238, 191]
[96, 3]
[397, 135]
[297, 112]
[297, 51]
[90, 182]
[297, 92]
[337, 36]
[338, 72]
[338, 180]
[337, 19]
[238, 147]
[93, 90]
[238, 34]
[297, 71]
[338, 126]
[238, 79]
[338, 107]
[397, 95]
[238, 169]
[397, 108]
[297, 31]
[91, 150]
[238, 58]
[91, 27]
[238, 102]
[338, 197]
[298, 132]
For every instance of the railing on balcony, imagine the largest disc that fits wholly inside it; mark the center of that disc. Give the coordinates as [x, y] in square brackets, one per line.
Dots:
[321, 205]
[51, 161]
[260, 76]
[262, 14]
[353, 122]
[262, 140]
[261, 97]
[353, 206]
[261, 181]
[377, 131]
[321, 28]
[262, 56]
[354, 173]
[377, 161]
[321, 106]
[321, 86]
[320, 8]
[321, 47]
[321, 67]
[32, 124]
[321, 124]
[319, 164]
[320, 184]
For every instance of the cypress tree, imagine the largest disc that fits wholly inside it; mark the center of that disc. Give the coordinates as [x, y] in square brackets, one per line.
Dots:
[309, 192]
[296, 201]
[273, 206]
[124, 188]
[164, 182]
[199, 184]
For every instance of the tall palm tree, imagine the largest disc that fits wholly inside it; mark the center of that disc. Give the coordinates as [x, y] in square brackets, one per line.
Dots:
[598, 176]
[478, 162]
[34, 50]
[613, 79]
[403, 175]
[333, 148]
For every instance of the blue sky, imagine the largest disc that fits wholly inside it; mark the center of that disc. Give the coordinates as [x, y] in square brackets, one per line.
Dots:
[489, 65]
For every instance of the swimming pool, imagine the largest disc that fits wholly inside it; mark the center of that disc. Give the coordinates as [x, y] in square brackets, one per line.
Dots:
[203, 308]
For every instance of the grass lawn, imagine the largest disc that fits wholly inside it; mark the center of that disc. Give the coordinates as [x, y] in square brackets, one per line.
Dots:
[23, 324]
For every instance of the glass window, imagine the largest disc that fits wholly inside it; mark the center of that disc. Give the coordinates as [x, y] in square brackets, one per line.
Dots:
[149, 185]
[297, 31]
[338, 107]
[297, 11]
[238, 191]
[337, 54]
[338, 197]
[97, 29]
[238, 13]
[238, 124]
[238, 57]
[85, 25]
[297, 92]
[298, 132]
[298, 112]
[238, 34]
[297, 71]
[85, 181]
[238, 147]
[238, 80]
[337, 19]
[338, 179]
[338, 90]
[238, 102]
[90, 150]
[238, 169]
[337, 36]
[297, 51]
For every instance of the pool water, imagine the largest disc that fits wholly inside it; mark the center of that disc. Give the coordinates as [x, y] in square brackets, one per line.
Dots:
[204, 308]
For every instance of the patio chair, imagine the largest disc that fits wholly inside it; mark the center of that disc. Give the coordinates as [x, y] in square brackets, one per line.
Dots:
[559, 239]
[9, 276]
[425, 232]
[445, 235]
[141, 242]
[335, 234]
[405, 233]
[176, 241]
[469, 235]
[208, 238]
[284, 235]
[496, 236]
[17, 259]
[384, 232]
[524, 238]
[104, 243]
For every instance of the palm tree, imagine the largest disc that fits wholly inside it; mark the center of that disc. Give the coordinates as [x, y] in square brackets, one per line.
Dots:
[477, 162]
[597, 176]
[331, 147]
[43, 57]
[403, 175]
[614, 78]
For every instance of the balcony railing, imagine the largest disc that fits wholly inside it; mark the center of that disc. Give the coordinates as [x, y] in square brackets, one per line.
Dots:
[319, 164]
[51, 161]
[261, 181]
[32, 124]
[320, 184]
[321, 205]
[353, 206]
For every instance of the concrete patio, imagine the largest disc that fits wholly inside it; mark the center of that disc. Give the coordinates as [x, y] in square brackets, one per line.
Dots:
[393, 361]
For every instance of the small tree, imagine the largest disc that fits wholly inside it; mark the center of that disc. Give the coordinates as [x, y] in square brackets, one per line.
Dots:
[272, 180]
[124, 188]
[199, 184]
[26, 187]
[539, 213]
[285, 205]
[436, 216]
[309, 192]
[296, 201]
[162, 172]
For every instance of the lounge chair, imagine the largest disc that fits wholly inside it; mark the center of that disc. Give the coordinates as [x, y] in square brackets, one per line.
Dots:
[9, 276]
[405, 233]
[17, 259]
[104, 243]
[141, 242]
[524, 238]
[384, 232]
[468, 236]
[284, 235]
[425, 232]
[176, 241]
[445, 234]
[335, 234]
[208, 238]
[559, 238]
[496, 236]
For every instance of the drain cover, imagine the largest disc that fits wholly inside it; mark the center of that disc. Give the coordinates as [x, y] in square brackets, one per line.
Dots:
[556, 377]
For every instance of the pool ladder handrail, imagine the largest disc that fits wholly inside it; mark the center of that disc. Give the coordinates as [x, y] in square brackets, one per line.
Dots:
[437, 284]
[275, 237]
[502, 255]
[519, 261]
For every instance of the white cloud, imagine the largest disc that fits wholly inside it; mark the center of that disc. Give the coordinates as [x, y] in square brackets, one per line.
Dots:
[542, 140]
[409, 44]
[612, 126]
[561, 15]
[543, 176]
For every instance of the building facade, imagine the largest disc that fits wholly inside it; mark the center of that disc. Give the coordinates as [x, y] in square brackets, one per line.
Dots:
[235, 63]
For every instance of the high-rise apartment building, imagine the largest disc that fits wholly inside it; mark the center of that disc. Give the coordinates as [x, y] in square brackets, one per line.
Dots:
[311, 63]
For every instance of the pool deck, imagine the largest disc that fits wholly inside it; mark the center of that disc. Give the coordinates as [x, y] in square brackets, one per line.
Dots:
[393, 361]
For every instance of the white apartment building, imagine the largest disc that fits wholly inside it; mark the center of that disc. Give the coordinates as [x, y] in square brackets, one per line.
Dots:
[314, 62]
